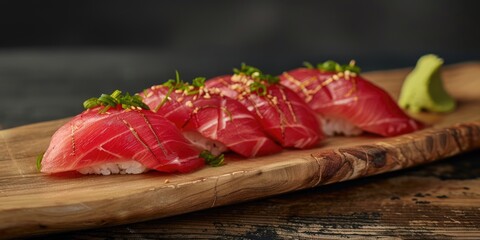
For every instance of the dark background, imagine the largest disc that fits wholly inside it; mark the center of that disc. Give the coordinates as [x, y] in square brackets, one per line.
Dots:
[55, 54]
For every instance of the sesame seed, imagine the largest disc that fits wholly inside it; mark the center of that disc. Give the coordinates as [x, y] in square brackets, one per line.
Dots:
[328, 81]
[316, 89]
[178, 91]
[167, 181]
[149, 94]
[275, 100]
[189, 104]
[179, 99]
[236, 78]
[335, 77]
[196, 110]
[195, 97]
[255, 74]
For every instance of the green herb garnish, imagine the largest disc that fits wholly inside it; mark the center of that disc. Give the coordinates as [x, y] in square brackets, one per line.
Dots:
[179, 84]
[332, 66]
[352, 68]
[329, 66]
[261, 80]
[127, 101]
[256, 74]
[258, 87]
[39, 162]
[198, 82]
[212, 160]
[308, 65]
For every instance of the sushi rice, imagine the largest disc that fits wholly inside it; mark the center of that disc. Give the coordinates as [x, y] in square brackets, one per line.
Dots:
[126, 167]
[201, 142]
[338, 126]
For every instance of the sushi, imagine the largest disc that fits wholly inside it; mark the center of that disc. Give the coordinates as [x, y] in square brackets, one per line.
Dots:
[208, 119]
[179, 126]
[347, 103]
[123, 137]
[280, 111]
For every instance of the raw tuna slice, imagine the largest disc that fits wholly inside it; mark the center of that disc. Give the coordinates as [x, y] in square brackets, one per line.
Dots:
[119, 141]
[280, 111]
[209, 120]
[347, 102]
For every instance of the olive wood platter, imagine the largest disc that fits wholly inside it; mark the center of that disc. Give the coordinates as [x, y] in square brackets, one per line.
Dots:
[33, 203]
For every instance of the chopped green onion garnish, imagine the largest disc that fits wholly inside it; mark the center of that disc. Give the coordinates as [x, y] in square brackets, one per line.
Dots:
[261, 80]
[39, 162]
[332, 66]
[308, 65]
[259, 88]
[91, 103]
[179, 84]
[352, 68]
[256, 74]
[165, 99]
[116, 93]
[328, 66]
[199, 82]
[212, 160]
[116, 98]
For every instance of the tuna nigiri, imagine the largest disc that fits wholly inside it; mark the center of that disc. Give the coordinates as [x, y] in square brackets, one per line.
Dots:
[347, 102]
[280, 111]
[209, 120]
[112, 140]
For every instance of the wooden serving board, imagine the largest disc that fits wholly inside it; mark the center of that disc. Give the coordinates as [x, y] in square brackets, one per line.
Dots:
[34, 203]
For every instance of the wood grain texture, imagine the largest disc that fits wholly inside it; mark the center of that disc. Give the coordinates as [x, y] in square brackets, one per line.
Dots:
[33, 203]
[434, 201]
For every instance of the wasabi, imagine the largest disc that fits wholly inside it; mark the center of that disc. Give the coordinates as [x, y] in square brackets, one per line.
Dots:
[423, 88]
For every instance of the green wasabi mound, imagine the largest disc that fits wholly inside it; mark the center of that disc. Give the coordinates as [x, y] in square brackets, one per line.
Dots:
[423, 88]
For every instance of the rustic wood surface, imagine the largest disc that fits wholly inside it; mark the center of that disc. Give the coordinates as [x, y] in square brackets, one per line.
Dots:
[32, 203]
[435, 201]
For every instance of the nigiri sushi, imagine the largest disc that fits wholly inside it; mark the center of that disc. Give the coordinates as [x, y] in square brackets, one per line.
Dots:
[208, 119]
[113, 140]
[280, 111]
[346, 102]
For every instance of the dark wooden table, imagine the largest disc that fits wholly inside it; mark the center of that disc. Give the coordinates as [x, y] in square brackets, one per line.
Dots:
[435, 201]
